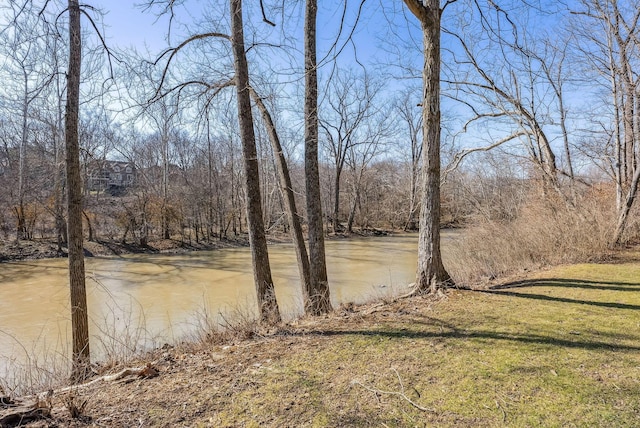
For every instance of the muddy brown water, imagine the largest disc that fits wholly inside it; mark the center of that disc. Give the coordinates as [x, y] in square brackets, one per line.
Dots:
[149, 300]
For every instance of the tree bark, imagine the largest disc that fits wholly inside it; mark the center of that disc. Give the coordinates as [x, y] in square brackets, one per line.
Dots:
[431, 274]
[79, 313]
[623, 214]
[336, 200]
[290, 201]
[267, 303]
[319, 298]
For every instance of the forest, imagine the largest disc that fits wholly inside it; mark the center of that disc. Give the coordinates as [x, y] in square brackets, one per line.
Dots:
[515, 123]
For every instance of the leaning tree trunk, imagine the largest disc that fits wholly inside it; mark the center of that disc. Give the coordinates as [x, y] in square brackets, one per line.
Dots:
[431, 274]
[267, 303]
[319, 299]
[290, 201]
[79, 315]
[623, 212]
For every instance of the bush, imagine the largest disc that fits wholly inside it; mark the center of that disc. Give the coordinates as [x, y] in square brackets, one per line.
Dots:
[546, 231]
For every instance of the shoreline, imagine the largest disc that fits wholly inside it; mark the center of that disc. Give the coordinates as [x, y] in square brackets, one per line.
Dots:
[39, 249]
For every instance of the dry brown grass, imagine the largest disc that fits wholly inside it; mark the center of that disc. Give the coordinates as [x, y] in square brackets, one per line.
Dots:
[544, 233]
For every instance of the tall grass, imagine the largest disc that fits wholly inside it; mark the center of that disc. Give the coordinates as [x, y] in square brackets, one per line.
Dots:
[544, 232]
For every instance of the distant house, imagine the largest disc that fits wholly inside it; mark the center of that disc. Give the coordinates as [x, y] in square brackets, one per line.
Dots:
[113, 176]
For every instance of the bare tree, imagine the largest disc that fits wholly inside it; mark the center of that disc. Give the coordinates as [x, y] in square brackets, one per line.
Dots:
[348, 105]
[360, 156]
[268, 305]
[431, 274]
[406, 108]
[505, 87]
[286, 187]
[610, 47]
[26, 50]
[79, 311]
[320, 301]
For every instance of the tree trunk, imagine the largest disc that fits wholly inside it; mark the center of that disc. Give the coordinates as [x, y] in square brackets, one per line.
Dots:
[22, 161]
[319, 298]
[336, 200]
[431, 274]
[91, 236]
[287, 189]
[165, 182]
[79, 314]
[352, 211]
[58, 180]
[267, 303]
[623, 213]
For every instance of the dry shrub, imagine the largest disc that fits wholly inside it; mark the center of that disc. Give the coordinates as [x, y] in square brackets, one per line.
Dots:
[226, 326]
[546, 231]
[122, 334]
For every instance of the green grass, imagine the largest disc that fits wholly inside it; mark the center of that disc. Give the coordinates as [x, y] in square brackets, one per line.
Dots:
[557, 351]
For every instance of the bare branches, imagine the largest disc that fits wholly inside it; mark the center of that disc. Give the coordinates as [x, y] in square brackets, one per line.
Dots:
[174, 51]
[464, 153]
[264, 15]
[168, 9]
[400, 393]
[449, 2]
[334, 47]
[99, 34]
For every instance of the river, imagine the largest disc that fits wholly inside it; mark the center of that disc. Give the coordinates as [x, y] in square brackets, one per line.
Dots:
[152, 299]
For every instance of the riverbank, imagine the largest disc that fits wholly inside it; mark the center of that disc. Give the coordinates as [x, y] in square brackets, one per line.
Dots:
[558, 348]
[45, 249]
[36, 249]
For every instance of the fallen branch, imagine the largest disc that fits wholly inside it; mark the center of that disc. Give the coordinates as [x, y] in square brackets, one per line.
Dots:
[18, 413]
[400, 394]
[145, 372]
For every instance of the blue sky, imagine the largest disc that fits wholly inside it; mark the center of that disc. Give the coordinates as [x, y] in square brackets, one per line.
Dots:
[127, 25]
[387, 33]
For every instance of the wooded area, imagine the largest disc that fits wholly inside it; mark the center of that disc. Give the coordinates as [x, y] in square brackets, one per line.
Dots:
[239, 125]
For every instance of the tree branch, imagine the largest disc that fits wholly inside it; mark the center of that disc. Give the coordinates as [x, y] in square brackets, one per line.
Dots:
[174, 51]
[457, 159]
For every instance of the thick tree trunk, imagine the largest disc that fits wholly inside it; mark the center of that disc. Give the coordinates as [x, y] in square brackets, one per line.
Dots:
[290, 201]
[79, 315]
[319, 299]
[267, 303]
[431, 274]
